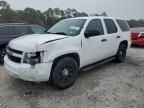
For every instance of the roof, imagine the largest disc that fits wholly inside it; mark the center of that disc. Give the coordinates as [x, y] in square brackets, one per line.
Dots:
[94, 17]
[16, 24]
[12, 23]
[137, 29]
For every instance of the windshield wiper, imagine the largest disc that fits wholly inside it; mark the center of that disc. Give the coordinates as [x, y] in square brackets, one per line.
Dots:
[60, 33]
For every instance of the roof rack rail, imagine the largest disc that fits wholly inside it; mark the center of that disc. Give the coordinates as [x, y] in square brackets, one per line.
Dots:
[13, 23]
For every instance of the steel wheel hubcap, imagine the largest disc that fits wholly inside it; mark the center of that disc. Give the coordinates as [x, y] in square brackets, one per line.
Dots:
[65, 72]
[121, 53]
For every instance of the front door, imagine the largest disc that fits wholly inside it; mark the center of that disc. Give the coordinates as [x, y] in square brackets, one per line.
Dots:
[94, 47]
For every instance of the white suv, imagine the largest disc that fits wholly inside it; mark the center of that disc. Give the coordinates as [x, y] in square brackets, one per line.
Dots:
[70, 45]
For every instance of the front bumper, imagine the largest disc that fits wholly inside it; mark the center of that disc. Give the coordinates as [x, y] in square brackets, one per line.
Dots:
[38, 73]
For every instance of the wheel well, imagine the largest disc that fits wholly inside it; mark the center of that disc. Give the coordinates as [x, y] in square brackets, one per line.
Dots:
[125, 42]
[73, 55]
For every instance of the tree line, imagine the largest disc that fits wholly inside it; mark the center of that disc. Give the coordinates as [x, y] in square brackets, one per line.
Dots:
[30, 15]
[46, 18]
[136, 23]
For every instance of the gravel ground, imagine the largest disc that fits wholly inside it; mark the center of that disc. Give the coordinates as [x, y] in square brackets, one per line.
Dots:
[108, 86]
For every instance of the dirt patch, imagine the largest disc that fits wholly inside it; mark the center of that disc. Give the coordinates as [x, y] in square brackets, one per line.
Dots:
[108, 86]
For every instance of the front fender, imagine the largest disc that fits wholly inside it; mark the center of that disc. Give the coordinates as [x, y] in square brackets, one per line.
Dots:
[56, 55]
[61, 47]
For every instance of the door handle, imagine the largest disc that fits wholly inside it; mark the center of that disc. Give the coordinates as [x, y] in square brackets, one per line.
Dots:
[104, 40]
[118, 37]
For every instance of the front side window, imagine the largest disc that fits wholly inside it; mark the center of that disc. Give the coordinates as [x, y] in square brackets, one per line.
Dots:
[110, 26]
[70, 27]
[11, 30]
[4, 31]
[95, 25]
[22, 30]
[123, 25]
[37, 29]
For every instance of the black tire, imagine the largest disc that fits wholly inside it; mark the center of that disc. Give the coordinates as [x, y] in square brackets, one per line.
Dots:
[2, 54]
[65, 73]
[121, 54]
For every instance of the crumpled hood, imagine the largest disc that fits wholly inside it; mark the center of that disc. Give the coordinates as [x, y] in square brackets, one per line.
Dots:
[29, 42]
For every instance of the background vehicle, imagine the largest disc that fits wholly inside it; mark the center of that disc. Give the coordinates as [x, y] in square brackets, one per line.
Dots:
[9, 31]
[69, 46]
[137, 36]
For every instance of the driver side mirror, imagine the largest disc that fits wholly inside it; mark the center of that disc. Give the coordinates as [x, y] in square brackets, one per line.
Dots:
[91, 33]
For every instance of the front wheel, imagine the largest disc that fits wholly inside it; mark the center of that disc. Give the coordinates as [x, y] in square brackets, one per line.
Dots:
[121, 54]
[65, 73]
[2, 54]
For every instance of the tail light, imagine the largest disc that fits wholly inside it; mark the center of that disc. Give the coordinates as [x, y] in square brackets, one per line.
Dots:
[134, 36]
[141, 35]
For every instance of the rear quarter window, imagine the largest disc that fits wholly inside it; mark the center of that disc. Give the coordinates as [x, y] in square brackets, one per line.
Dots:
[123, 25]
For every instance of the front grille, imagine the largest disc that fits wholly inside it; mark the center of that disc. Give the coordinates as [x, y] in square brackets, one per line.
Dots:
[14, 55]
[15, 51]
[14, 59]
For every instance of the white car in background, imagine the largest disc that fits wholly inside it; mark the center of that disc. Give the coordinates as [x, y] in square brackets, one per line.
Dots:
[69, 46]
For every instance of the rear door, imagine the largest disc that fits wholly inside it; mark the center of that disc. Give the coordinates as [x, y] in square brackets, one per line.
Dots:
[125, 30]
[113, 36]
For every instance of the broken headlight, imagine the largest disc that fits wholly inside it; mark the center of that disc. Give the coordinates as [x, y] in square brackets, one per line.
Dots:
[33, 58]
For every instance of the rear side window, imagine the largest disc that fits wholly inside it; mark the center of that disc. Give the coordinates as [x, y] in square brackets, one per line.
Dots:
[22, 30]
[11, 30]
[4, 31]
[123, 25]
[110, 25]
[95, 25]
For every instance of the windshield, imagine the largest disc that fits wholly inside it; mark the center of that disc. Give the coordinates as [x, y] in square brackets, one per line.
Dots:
[38, 29]
[70, 27]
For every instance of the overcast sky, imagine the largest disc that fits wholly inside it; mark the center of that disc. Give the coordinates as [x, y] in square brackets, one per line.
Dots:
[128, 9]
